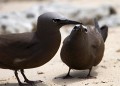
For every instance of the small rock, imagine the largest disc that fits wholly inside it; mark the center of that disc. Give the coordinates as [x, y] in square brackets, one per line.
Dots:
[64, 85]
[40, 73]
[95, 82]
[118, 50]
[104, 67]
[118, 59]
[86, 83]
[103, 82]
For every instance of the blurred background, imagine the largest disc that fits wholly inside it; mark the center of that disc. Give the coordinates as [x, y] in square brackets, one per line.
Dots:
[17, 16]
[21, 15]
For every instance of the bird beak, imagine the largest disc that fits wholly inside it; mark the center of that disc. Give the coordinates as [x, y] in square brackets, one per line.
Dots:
[66, 21]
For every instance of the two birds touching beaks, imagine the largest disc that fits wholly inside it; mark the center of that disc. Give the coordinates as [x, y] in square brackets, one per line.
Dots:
[82, 49]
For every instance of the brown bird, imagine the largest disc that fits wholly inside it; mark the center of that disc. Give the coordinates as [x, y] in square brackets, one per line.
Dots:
[84, 47]
[32, 49]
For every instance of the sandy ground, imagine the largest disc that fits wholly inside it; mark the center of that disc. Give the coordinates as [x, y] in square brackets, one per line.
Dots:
[107, 73]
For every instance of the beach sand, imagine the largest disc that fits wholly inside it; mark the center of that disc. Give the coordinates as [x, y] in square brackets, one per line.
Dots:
[107, 73]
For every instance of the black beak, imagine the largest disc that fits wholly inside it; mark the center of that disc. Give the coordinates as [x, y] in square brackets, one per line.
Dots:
[65, 21]
[69, 22]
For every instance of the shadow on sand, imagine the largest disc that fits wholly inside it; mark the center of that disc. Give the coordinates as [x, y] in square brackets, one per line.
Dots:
[16, 84]
[77, 77]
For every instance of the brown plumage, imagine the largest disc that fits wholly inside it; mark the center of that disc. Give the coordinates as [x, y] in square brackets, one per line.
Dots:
[33, 49]
[84, 47]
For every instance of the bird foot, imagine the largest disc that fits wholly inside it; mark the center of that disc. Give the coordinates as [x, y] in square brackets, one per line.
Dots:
[23, 84]
[67, 77]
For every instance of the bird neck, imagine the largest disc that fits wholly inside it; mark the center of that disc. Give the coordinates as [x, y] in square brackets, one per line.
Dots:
[46, 32]
[79, 40]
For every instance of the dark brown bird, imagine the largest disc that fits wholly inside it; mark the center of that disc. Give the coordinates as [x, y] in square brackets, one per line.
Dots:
[32, 49]
[84, 47]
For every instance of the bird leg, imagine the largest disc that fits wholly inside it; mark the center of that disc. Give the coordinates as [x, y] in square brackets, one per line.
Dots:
[25, 78]
[89, 73]
[68, 75]
[20, 83]
[89, 76]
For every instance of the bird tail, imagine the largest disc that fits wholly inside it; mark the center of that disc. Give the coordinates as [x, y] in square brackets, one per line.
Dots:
[103, 30]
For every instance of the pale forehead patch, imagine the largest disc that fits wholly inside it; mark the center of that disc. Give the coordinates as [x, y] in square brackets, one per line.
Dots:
[84, 26]
[77, 25]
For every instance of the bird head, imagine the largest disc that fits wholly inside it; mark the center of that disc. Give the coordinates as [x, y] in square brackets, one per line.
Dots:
[80, 29]
[53, 20]
[79, 32]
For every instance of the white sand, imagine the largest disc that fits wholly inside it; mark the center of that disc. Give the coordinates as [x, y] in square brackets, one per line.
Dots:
[107, 72]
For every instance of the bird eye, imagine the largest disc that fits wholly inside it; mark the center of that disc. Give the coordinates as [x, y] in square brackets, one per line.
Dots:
[56, 20]
[85, 30]
[74, 29]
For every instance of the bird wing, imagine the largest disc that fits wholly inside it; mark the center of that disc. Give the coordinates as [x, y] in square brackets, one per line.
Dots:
[103, 30]
[14, 46]
[97, 46]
